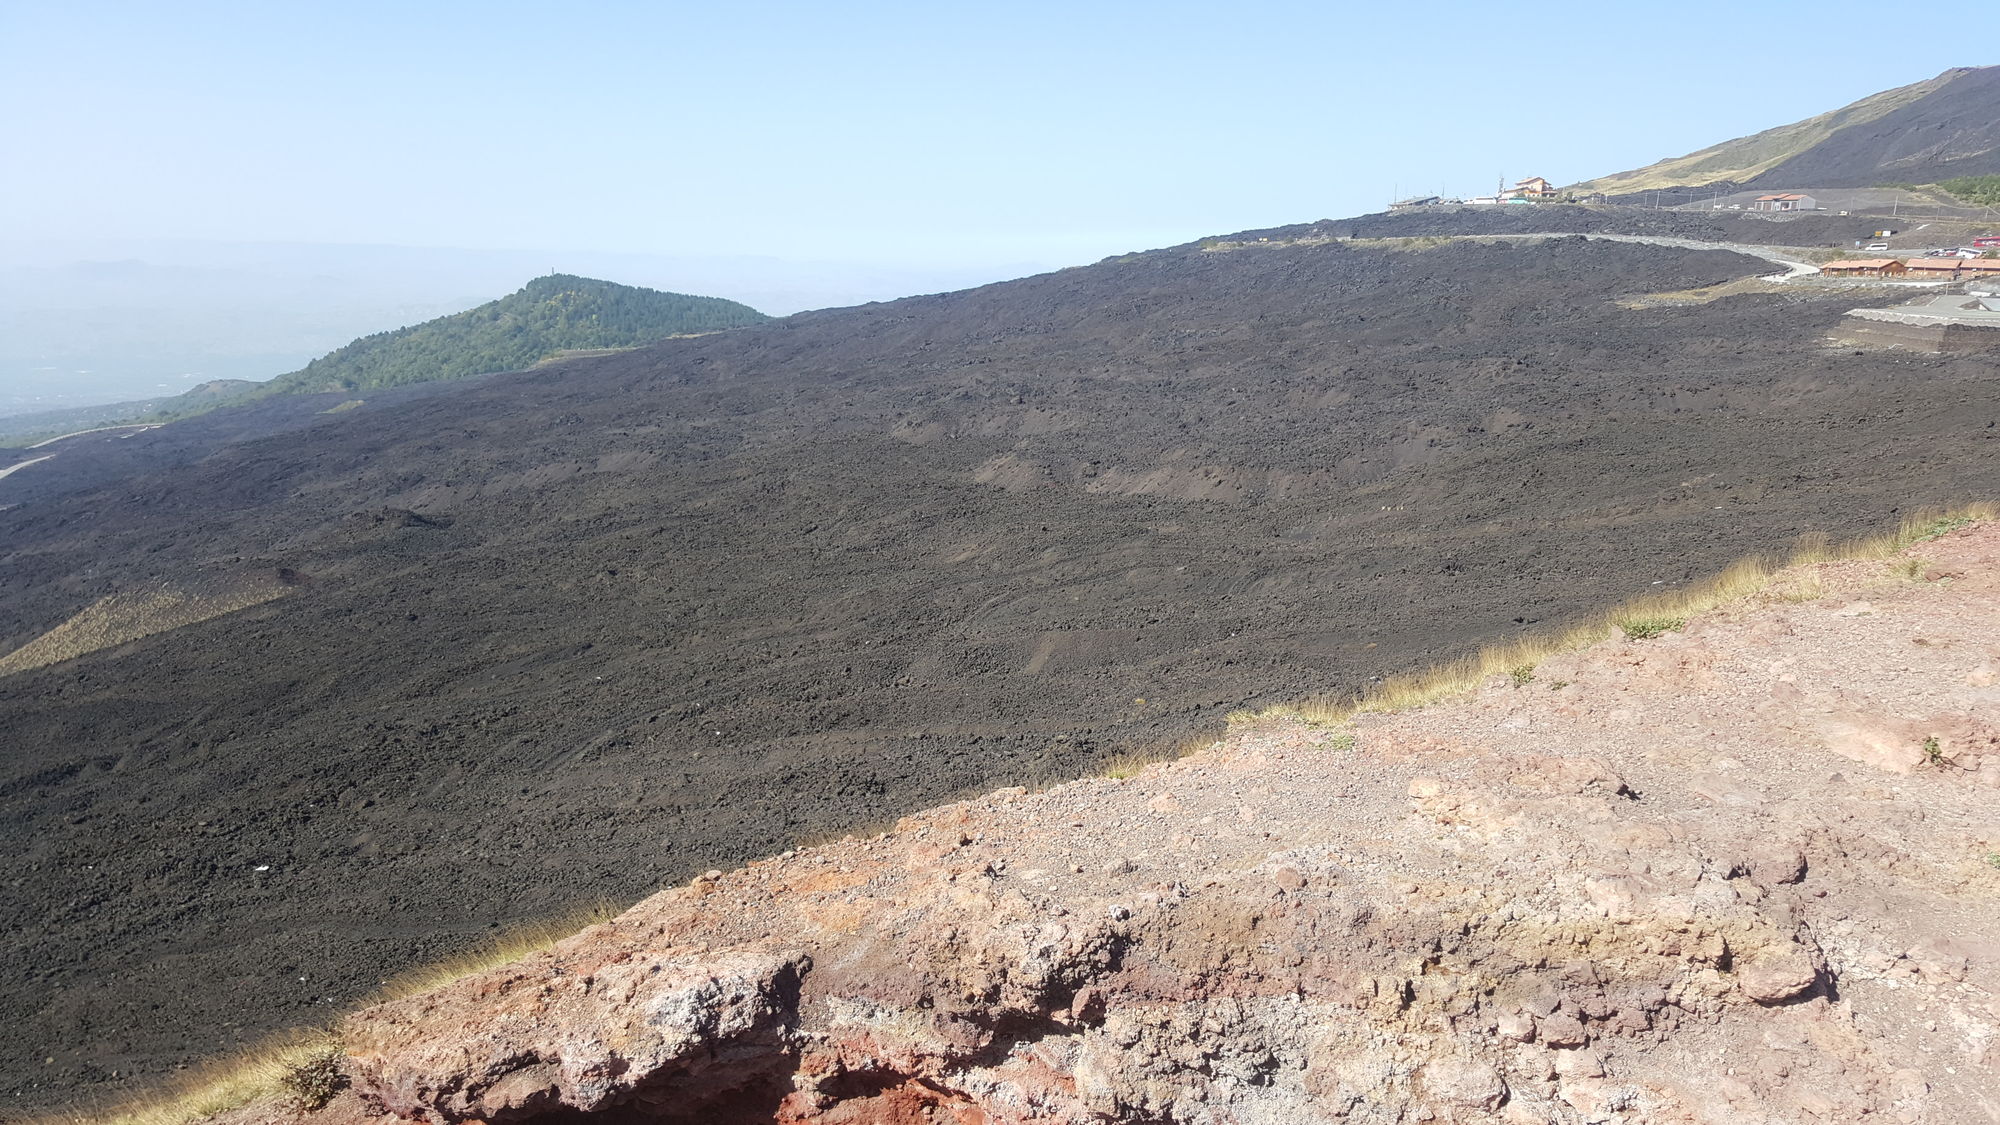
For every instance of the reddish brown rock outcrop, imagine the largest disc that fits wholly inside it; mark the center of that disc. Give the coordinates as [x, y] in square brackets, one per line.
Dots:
[1744, 872]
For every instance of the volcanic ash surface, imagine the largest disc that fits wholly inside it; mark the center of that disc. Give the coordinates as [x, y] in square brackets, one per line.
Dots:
[1743, 872]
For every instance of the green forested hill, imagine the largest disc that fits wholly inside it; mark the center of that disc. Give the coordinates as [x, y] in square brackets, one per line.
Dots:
[1983, 190]
[551, 314]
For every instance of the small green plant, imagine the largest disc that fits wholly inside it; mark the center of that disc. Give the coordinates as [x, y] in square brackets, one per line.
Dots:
[1933, 751]
[1646, 628]
[1522, 674]
[1558, 685]
[1993, 859]
[1935, 529]
[315, 1076]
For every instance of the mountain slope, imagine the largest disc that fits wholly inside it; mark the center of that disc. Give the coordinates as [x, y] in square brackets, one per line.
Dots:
[550, 315]
[1921, 133]
[584, 630]
[1757, 843]
[16, 427]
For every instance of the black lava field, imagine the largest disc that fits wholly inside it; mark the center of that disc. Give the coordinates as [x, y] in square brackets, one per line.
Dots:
[578, 633]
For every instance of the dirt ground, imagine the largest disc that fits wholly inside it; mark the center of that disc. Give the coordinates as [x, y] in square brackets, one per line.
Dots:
[575, 633]
[1742, 870]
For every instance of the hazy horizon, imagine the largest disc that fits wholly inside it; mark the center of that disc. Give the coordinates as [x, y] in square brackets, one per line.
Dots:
[357, 167]
[89, 322]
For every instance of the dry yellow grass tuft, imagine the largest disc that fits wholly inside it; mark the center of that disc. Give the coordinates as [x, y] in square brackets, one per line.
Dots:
[1130, 764]
[301, 1067]
[512, 944]
[1643, 617]
[122, 618]
[1681, 298]
[1224, 245]
[286, 1067]
[1417, 242]
[1412, 243]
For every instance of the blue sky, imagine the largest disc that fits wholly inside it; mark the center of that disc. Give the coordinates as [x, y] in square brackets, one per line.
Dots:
[928, 134]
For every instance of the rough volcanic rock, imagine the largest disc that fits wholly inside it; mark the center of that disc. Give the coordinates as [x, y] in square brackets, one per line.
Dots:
[1923, 133]
[1637, 887]
[678, 608]
[1953, 131]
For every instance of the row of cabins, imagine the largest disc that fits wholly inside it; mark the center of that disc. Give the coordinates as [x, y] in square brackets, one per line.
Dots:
[1917, 269]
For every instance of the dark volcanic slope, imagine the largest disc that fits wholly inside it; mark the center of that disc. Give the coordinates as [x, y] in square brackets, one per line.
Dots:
[1952, 131]
[1925, 132]
[580, 631]
[1744, 227]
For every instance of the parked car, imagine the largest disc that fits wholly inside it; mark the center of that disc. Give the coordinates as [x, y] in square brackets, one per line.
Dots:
[1876, 246]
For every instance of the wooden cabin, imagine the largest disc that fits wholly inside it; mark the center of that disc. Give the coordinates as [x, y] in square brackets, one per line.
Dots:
[1935, 269]
[1788, 201]
[1863, 267]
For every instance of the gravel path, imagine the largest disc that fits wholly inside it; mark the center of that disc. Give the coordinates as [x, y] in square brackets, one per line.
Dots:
[1786, 256]
[15, 468]
[97, 430]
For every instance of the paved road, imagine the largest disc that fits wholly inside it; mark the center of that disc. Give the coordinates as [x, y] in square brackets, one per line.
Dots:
[15, 468]
[96, 430]
[1786, 256]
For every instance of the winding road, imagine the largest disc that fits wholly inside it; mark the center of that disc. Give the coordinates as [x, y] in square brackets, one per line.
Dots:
[15, 468]
[96, 430]
[45, 442]
[1786, 256]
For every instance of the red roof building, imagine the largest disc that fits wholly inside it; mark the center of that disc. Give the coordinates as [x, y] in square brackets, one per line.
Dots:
[1534, 187]
[1788, 201]
[1935, 269]
[1863, 267]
